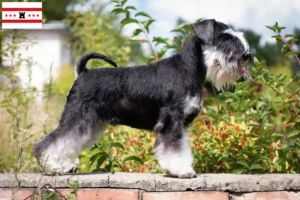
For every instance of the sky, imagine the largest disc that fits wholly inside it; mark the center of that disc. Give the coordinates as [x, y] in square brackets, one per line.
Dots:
[250, 14]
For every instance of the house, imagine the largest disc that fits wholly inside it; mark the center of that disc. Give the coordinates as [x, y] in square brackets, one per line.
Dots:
[49, 53]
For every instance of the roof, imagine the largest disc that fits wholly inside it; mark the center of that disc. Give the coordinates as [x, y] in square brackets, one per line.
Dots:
[58, 25]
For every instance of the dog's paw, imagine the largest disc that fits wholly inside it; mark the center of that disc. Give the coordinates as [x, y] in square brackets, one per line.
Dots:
[187, 175]
[60, 171]
[73, 170]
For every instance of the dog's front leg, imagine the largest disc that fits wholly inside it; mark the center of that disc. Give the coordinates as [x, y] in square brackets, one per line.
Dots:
[172, 145]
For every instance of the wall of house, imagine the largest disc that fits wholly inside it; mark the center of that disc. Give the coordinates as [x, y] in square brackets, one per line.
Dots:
[49, 50]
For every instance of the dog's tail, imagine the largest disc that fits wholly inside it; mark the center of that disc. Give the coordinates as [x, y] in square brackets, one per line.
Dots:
[80, 66]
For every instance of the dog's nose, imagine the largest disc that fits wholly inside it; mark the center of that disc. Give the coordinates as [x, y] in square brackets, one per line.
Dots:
[247, 56]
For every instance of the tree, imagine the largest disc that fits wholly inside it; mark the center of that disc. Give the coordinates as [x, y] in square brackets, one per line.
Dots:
[93, 30]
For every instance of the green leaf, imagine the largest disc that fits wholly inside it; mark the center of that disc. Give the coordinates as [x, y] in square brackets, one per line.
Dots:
[113, 144]
[255, 166]
[133, 158]
[280, 77]
[290, 53]
[101, 160]
[281, 28]
[281, 89]
[284, 49]
[95, 146]
[118, 11]
[293, 133]
[261, 104]
[128, 21]
[139, 38]
[144, 14]
[199, 20]
[263, 157]
[130, 7]
[272, 28]
[277, 135]
[256, 61]
[137, 31]
[93, 158]
[238, 171]
[292, 41]
[160, 40]
[277, 37]
[244, 163]
[181, 28]
[150, 59]
[162, 52]
[147, 23]
[123, 2]
[289, 35]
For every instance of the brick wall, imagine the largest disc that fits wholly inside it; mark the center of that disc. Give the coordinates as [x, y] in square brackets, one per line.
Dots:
[126, 186]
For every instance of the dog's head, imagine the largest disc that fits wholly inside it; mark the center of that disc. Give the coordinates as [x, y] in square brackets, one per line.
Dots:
[226, 52]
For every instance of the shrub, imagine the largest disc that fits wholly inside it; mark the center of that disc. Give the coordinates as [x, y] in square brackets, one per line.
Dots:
[254, 129]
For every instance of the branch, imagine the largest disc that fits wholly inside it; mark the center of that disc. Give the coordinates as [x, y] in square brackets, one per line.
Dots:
[290, 47]
[150, 43]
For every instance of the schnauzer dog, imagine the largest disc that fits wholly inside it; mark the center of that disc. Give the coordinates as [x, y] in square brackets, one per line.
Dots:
[164, 96]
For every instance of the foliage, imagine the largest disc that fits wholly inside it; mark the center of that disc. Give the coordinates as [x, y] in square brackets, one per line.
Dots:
[121, 149]
[143, 20]
[254, 129]
[259, 134]
[15, 101]
[93, 31]
[289, 40]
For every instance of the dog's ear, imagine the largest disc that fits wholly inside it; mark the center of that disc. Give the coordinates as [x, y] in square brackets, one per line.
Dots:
[205, 30]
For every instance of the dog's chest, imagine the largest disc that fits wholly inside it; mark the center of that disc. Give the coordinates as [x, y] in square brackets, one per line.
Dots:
[192, 105]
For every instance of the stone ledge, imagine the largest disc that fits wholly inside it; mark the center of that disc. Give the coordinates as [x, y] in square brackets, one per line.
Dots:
[159, 183]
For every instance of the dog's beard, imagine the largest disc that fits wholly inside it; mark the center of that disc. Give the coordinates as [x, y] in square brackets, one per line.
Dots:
[222, 73]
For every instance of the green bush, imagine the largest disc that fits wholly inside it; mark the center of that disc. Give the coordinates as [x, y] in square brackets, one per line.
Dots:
[254, 129]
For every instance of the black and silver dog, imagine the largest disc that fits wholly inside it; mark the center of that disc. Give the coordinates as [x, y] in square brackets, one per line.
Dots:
[164, 96]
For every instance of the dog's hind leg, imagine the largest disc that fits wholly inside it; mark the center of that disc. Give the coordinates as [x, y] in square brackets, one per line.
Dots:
[57, 151]
[172, 145]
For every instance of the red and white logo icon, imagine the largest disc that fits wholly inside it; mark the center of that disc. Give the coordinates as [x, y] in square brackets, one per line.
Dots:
[22, 15]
